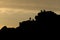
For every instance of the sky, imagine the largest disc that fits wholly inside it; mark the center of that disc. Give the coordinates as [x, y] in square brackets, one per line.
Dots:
[14, 11]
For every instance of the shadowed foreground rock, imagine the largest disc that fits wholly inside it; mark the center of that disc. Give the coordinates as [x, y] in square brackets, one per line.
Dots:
[45, 21]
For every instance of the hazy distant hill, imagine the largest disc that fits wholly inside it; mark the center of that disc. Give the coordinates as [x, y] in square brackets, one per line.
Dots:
[45, 21]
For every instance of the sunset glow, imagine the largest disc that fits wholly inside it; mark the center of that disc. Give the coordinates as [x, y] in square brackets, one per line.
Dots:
[14, 11]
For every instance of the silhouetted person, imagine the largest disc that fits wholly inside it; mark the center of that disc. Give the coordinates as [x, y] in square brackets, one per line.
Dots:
[30, 18]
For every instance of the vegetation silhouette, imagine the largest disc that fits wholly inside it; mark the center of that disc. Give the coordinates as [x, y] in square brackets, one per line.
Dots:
[45, 21]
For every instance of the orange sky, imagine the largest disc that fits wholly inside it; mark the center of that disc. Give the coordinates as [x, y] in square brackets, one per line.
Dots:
[14, 11]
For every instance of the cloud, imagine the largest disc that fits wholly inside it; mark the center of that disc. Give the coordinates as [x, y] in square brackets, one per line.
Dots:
[11, 17]
[14, 11]
[31, 4]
